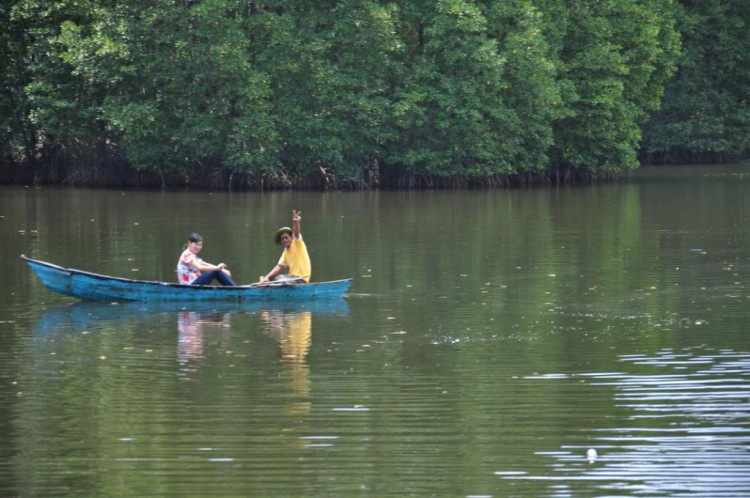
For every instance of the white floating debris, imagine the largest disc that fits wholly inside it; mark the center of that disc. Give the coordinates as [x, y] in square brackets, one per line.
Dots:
[591, 455]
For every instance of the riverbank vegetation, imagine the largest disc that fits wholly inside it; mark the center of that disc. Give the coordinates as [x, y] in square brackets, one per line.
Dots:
[293, 93]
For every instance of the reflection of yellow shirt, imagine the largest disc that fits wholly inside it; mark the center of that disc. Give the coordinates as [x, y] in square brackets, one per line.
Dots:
[297, 342]
[294, 349]
[296, 259]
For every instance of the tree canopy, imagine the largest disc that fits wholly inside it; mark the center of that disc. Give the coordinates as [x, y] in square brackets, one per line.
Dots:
[706, 111]
[366, 92]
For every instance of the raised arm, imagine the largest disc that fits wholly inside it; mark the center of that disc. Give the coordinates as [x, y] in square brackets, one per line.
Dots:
[296, 218]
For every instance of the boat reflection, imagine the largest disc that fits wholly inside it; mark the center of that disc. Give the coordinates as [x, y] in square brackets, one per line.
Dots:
[92, 316]
[200, 327]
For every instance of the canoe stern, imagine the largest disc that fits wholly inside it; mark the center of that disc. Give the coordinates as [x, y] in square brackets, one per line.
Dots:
[55, 278]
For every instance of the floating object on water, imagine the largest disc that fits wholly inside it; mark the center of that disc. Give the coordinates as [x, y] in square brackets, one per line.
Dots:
[85, 285]
[591, 455]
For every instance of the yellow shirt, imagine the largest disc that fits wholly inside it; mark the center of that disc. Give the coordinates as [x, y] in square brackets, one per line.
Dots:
[296, 259]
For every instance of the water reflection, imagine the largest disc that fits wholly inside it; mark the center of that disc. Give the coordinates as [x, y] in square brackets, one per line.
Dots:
[195, 329]
[86, 315]
[293, 331]
[199, 328]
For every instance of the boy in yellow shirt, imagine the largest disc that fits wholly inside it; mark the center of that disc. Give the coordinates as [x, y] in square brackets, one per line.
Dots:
[294, 257]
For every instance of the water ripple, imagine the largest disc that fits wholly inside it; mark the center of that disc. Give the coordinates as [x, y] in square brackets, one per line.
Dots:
[700, 447]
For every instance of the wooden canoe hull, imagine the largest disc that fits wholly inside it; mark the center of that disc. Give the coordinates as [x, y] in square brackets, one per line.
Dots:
[85, 285]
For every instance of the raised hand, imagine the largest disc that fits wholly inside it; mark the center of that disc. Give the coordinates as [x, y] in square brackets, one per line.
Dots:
[296, 215]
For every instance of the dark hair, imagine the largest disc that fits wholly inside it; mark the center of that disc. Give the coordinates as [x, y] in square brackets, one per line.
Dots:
[193, 237]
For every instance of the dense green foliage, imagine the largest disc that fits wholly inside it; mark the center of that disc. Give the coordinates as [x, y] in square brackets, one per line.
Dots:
[706, 110]
[613, 59]
[356, 92]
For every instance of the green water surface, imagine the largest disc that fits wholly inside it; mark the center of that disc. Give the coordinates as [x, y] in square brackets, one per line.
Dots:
[490, 339]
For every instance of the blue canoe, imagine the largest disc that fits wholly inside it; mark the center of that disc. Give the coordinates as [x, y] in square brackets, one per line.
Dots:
[85, 285]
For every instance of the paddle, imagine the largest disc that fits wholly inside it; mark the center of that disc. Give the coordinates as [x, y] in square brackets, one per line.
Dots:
[281, 281]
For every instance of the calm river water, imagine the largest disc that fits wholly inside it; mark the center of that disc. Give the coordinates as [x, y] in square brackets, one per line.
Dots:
[491, 338]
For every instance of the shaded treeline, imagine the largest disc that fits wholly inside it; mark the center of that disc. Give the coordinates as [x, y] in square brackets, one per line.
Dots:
[705, 113]
[313, 93]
